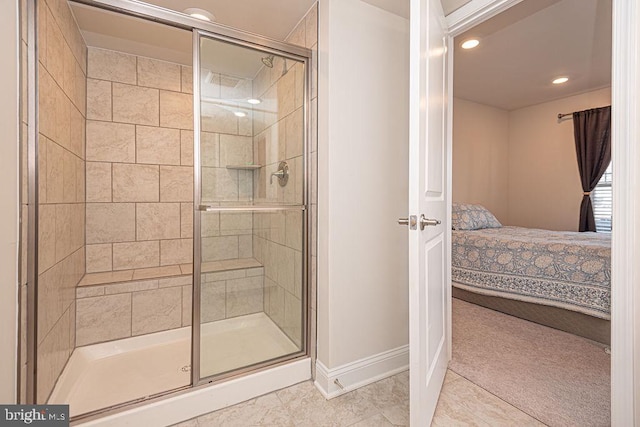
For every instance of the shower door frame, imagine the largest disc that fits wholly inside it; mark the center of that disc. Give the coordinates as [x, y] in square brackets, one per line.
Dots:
[198, 28]
[267, 47]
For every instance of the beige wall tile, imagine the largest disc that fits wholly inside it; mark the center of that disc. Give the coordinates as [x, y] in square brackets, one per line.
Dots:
[98, 181]
[77, 133]
[311, 26]
[245, 246]
[286, 87]
[220, 276]
[89, 291]
[186, 147]
[133, 104]
[131, 255]
[111, 142]
[219, 248]
[46, 237]
[285, 265]
[135, 183]
[293, 318]
[98, 100]
[111, 222]
[299, 85]
[99, 258]
[55, 51]
[109, 65]
[53, 353]
[69, 77]
[158, 74]
[298, 35]
[63, 119]
[176, 110]
[236, 150]
[176, 183]
[294, 230]
[155, 221]
[55, 173]
[157, 145]
[140, 285]
[175, 281]
[245, 296]
[219, 184]
[218, 120]
[103, 318]
[275, 306]
[186, 220]
[210, 149]
[294, 134]
[210, 224]
[236, 223]
[64, 224]
[212, 302]
[43, 16]
[187, 79]
[69, 192]
[46, 103]
[187, 304]
[107, 277]
[42, 168]
[178, 251]
[157, 272]
[156, 310]
[245, 185]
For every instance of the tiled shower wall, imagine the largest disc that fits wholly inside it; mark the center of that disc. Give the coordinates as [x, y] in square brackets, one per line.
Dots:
[140, 165]
[61, 156]
[139, 162]
[279, 137]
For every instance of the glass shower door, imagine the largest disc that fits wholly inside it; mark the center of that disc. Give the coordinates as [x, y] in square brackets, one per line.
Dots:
[250, 225]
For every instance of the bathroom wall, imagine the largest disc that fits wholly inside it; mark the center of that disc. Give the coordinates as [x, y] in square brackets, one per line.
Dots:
[12, 44]
[61, 198]
[279, 136]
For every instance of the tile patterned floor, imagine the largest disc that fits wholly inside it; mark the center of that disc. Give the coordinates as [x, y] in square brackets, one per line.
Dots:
[384, 403]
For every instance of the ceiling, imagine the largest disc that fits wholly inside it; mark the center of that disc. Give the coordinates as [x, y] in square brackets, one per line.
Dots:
[136, 36]
[450, 5]
[524, 48]
[255, 16]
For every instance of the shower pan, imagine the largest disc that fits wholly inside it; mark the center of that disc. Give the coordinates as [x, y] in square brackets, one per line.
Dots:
[188, 263]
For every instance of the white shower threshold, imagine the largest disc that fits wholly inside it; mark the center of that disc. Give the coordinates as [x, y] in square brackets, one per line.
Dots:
[111, 373]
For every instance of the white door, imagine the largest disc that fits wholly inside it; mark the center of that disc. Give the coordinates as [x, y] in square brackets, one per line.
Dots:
[428, 195]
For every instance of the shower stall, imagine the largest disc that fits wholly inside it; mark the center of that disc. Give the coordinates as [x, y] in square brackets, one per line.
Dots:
[169, 176]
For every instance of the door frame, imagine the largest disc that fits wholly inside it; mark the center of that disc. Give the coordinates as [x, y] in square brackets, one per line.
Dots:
[625, 301]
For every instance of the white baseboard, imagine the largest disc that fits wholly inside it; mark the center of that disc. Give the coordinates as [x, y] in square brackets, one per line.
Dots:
[207, 399]
[361, 372]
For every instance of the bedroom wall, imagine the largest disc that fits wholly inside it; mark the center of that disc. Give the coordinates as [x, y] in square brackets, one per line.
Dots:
[543, 182]
[480, 156]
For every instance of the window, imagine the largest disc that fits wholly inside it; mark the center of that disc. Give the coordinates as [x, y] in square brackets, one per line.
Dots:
[601, 198]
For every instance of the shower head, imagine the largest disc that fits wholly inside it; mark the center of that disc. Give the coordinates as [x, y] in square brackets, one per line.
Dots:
[268, 61]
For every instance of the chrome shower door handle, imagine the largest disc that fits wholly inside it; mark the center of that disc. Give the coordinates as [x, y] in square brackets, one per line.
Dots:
[425, 222]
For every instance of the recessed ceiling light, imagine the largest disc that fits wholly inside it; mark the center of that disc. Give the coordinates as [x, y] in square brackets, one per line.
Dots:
[240, 114]
[470, 44]
[200, 14]
[560, 80]
[254, 101]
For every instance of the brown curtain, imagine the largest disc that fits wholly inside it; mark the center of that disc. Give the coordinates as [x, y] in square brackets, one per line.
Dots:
[592, 132]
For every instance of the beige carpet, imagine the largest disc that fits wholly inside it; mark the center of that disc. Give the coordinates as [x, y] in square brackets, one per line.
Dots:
[556, 377]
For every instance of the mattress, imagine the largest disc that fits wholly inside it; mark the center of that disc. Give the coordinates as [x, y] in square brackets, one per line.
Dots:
[562, 269]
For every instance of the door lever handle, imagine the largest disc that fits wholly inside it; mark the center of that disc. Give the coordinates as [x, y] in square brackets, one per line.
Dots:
[424, 222]
[411, 221]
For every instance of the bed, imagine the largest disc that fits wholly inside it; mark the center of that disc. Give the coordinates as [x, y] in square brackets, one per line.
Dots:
[559, 279]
